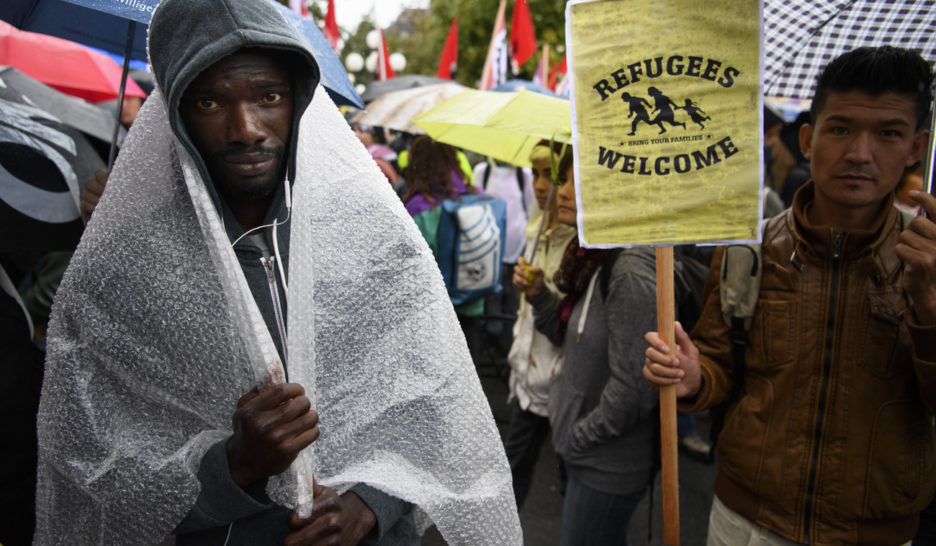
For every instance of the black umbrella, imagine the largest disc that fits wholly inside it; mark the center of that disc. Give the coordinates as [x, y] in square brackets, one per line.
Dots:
[379, 88]
[88, 118]
[42, 163]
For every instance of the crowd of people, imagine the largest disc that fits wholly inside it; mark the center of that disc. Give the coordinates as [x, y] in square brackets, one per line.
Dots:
[252, 298]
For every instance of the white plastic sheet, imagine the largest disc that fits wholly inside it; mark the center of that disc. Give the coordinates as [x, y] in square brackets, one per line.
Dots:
[154, 337]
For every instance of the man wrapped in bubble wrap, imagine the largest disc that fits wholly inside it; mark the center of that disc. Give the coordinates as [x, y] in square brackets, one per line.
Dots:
[247, 245]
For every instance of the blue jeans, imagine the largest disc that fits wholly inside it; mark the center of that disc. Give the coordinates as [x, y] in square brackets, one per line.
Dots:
[593, 518]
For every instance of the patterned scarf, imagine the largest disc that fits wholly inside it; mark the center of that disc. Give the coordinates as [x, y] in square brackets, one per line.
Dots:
[575, 270]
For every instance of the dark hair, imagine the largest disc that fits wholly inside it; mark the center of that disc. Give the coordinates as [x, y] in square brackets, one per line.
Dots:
[375, 132]
[566, 161]
[789, 136]
[771, 117]
[431, 164]
[875, 71]
[378, 134]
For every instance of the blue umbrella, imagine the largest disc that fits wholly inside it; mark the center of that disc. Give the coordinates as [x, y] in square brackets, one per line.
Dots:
[134, 63]
[106, 21]
[105, 26]
[334, 76]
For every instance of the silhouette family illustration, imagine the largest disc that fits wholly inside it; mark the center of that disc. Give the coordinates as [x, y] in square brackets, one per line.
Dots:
[665, 108]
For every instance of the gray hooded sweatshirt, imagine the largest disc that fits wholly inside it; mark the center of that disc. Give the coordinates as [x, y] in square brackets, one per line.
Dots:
[185, 38]
[602, 410]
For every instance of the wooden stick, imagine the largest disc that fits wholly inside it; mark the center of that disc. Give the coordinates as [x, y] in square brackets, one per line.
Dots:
[929, 163]
[666, 316]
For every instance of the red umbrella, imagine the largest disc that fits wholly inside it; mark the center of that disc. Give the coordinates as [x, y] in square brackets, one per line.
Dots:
[67, 66]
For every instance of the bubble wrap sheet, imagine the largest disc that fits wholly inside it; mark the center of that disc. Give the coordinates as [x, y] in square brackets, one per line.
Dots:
[154, 337]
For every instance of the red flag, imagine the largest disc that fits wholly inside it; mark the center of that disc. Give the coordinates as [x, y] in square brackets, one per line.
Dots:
[299, 6]
[563, 84]
[449, 60]
[384, 71]
[522, 35]
[557, 70]
[330, 29]
[495, 64]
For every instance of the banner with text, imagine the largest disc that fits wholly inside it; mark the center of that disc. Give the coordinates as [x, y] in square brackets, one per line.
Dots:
[666, 110]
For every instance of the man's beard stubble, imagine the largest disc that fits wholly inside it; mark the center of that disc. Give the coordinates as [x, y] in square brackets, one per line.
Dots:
[239, 191]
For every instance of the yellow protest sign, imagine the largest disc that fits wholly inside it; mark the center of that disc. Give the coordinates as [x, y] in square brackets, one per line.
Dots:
[666, 110]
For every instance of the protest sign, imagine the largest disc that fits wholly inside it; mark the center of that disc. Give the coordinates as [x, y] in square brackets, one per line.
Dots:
[666, 111]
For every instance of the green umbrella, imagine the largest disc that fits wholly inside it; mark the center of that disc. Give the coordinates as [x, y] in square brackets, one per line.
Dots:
[504, 126]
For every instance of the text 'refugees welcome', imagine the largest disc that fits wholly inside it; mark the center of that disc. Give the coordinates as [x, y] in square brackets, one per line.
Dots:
[675, 65]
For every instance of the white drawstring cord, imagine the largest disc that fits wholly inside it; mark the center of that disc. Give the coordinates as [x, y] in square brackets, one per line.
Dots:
[249, 231]
[274, 225]
[228, 537]
[279, 260]
[287, 191]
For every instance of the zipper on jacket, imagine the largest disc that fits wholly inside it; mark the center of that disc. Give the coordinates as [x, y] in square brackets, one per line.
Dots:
[269, 264]
[826, 373]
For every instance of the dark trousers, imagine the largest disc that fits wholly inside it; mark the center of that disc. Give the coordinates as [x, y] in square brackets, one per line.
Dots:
[474, 336]
[685, 424]
[525, 437]
[926, 534]
[594, 518]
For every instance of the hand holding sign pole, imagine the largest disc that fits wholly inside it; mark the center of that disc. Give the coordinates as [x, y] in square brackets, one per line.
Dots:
[666, 115]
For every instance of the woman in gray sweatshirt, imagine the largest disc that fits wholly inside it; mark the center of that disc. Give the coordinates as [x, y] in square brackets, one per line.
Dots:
[603, 414]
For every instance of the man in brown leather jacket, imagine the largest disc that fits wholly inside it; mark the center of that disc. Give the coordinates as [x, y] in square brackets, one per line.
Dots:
[830, 439]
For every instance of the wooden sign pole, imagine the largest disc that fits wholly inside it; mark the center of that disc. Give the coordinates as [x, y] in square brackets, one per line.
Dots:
[666, 316]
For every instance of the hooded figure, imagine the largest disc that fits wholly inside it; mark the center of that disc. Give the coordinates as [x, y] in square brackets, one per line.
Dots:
[169, 313]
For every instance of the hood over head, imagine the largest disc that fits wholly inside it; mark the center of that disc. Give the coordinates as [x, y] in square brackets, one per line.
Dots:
[145, 368]
[188, 36]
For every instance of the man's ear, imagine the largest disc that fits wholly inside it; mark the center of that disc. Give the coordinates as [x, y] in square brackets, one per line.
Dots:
[805, 140]
[920, 144]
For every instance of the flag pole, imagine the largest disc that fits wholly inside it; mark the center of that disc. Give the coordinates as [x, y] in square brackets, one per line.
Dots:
[486, 73]
[544, 67]
[539, 232]
[125, 73]
[929, 162]
[669, 462]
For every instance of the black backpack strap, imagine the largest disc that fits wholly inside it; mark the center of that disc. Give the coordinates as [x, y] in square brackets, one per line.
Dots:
[487, 174]
[739, 341]
[488, 167]
[734, 314]
[522, 192]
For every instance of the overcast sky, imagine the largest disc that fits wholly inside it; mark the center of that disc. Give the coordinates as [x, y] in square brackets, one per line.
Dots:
[350, 13]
